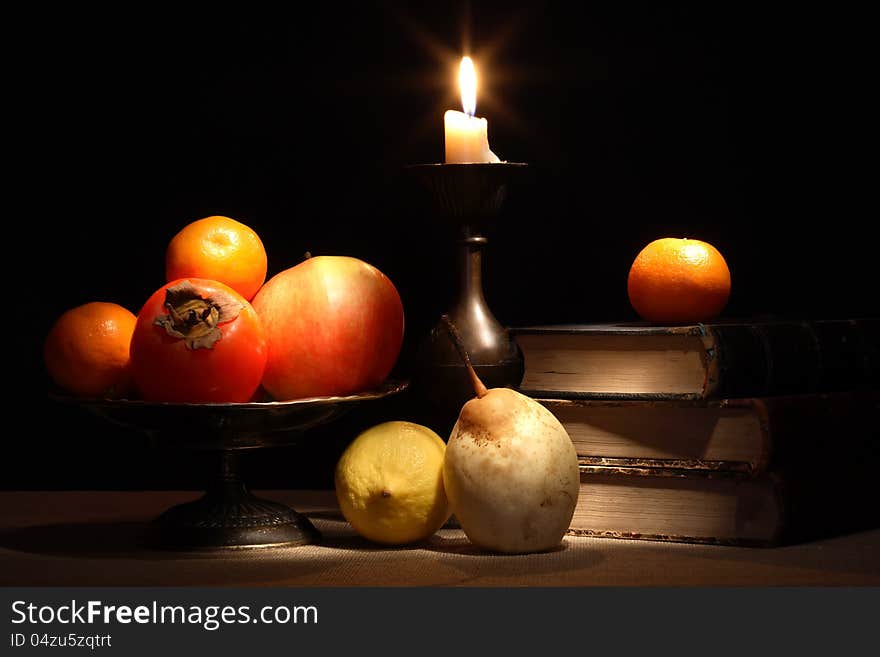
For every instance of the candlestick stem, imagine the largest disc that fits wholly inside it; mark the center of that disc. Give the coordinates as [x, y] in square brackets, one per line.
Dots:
[470, 289]
[471, 196]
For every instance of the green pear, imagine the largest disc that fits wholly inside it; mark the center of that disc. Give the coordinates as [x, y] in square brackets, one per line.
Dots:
[510, 471]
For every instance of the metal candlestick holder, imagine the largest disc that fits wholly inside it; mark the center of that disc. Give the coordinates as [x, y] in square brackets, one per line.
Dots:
[470, 197]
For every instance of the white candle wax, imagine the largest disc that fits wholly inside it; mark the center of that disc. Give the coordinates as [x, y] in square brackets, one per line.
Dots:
[467, 138]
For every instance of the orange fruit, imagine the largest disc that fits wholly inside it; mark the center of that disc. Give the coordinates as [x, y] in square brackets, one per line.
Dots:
[221, 249]
[86, 352]
[678, 281]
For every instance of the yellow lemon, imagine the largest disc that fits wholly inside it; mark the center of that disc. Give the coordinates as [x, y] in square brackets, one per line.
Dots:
[389, 483]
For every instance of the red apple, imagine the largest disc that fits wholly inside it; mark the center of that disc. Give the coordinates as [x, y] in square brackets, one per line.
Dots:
[334, 326]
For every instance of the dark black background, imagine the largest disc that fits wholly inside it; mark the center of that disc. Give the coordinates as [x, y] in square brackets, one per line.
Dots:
[743, 127]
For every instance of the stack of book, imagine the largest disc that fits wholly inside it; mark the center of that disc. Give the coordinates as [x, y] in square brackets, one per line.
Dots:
[743, 433]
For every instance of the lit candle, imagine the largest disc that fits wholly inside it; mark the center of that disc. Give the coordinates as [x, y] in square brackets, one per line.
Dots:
[466, 135]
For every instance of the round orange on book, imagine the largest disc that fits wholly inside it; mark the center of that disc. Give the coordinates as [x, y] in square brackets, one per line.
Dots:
[678, 281]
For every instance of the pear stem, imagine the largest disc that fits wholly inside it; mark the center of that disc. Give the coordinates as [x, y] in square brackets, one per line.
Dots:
[479, 387]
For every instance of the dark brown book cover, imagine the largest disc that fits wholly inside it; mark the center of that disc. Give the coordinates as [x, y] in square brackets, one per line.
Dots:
[738, 358]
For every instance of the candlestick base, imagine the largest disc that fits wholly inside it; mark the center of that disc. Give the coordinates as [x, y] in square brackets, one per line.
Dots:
[470, 196]
[446, 386]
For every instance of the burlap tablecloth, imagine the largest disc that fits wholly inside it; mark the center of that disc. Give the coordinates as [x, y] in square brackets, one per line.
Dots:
[93, 539]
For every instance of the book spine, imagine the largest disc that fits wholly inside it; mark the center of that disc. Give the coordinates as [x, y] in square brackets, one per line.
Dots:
[836, 503]
[762, 412]
[780, 358]
[831, 428]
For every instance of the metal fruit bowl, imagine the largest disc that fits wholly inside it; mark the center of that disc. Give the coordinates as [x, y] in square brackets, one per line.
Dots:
[228, 426]
[228, 515]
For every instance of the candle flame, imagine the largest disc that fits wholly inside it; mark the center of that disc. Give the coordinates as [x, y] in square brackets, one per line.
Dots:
[467, 80]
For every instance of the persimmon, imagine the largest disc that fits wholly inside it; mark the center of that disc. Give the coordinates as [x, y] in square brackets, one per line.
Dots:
[198, 341]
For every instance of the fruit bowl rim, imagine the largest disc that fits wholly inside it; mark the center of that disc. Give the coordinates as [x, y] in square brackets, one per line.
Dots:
[387, 388]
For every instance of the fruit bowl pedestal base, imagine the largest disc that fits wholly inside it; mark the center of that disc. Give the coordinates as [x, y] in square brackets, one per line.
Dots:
[228, 515]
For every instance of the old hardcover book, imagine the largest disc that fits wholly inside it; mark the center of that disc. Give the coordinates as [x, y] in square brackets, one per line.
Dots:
[774, 508]
[747, 435]
[716, 360]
